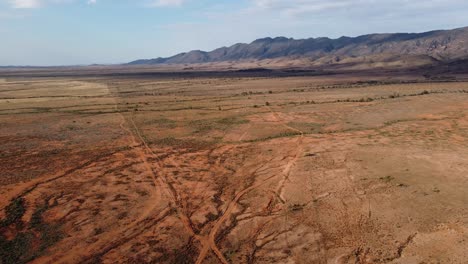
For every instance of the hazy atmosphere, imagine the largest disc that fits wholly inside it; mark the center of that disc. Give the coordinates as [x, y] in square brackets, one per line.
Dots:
[70, 32]
[234, 132]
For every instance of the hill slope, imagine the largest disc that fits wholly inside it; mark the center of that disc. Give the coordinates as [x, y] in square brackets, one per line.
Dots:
[421, 48]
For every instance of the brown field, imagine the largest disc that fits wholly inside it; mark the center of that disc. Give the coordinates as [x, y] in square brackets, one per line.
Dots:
[335, 169]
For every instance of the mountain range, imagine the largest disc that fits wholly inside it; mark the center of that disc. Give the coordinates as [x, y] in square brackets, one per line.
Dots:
[397, 49]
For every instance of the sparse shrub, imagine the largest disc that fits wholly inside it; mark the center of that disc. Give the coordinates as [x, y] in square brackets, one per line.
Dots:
[296, 207]
[122, 215]
[20, 249]
[162, 123]
[232, 121]
[36, 219]
[183, 143]
[387, 178]
[16, 250]
[280, 135]
[98, 231]
[73, 127]
[14, 212]
[142, 192]
[211, 217]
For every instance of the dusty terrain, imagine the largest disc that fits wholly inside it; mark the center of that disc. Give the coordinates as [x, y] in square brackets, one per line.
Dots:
[335, 169]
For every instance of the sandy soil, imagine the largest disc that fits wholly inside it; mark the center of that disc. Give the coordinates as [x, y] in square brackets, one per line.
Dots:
[340, 169]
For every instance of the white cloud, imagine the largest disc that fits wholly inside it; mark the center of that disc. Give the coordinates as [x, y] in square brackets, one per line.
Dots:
[25, 3]
[28, 4]
[167, 3]
[298, 7]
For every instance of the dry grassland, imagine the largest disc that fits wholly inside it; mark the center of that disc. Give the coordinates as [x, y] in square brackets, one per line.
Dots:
[233, 170]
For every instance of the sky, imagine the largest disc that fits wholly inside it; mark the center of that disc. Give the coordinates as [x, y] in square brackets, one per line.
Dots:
[77, 32]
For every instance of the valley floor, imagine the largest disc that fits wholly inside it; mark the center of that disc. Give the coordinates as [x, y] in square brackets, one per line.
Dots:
[336, 169]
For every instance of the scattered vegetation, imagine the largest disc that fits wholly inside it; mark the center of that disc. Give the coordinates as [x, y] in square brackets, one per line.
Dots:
[296, 207]
[232, 121]
[230, 255]
[17, 250]
[29, 241]
[306, 127]
[370, 99]
[183, 143]
[205, 125]
[387, 178]
[251, 93]
[280, 135]
[162, 123]
[73, 128]
[14, 212]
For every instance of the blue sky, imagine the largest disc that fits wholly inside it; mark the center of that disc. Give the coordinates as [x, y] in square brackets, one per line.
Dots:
[66, 32]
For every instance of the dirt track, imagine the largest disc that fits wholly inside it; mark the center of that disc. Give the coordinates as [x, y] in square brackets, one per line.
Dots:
[233, 170]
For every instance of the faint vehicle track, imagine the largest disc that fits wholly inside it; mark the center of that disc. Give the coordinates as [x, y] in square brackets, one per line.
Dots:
[290, 164]
[143, 220]
[169, 189]
[231, 205]
[226, 214]
[141, 227]
[31, 186]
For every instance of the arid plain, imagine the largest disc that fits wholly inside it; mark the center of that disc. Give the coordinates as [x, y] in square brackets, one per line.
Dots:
[324, 169]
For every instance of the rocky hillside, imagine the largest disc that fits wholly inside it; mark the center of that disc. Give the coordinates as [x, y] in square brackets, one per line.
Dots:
[441, 45]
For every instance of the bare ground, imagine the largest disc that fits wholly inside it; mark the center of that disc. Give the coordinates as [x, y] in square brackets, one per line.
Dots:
[233, 170]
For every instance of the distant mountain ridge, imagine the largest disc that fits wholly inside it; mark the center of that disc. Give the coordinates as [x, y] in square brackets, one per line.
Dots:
[439, 45]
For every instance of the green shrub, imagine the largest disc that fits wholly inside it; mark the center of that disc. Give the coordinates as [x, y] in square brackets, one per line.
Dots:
[14, 212]
[17, 250]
